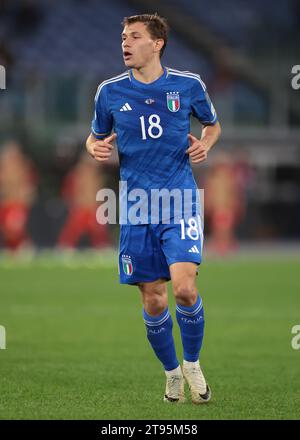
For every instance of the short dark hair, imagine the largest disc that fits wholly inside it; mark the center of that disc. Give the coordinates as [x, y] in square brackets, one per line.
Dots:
[157, 26]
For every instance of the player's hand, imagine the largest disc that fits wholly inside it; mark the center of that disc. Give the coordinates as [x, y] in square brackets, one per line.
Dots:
[101, 150]
[197, 150]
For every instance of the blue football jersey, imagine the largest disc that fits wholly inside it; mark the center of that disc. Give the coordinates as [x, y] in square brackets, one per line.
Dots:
[152, 122]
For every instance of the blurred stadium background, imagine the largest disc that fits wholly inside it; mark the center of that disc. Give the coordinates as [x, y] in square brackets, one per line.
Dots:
[55, 54]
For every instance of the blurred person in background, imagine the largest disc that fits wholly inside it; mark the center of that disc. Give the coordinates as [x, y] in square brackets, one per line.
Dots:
[18, 181]
[79, 192]
[224, 203]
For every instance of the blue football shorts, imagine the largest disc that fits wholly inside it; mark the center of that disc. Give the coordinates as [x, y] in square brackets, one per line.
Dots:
[147, 251]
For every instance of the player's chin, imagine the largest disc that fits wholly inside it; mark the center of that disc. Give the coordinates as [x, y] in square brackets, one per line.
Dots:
[129, 63]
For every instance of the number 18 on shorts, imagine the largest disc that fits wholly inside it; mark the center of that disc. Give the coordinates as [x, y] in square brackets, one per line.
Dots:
[147, 251]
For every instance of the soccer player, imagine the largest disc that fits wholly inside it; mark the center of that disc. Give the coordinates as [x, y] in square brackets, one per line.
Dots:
[149, 108]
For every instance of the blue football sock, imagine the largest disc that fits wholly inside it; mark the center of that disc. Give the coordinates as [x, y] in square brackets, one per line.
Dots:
[191, 323]
[159, 334]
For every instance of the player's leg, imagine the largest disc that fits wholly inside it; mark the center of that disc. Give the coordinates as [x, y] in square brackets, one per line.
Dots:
[189, 308]
[182, 247]
[143, 264]
[190, 318]
[159, 327]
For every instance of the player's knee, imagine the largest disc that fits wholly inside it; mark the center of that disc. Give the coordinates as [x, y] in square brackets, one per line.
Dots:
[155, 300]
[155, 306]
[185, 293]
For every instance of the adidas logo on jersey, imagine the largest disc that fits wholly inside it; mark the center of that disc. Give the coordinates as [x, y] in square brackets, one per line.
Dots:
[125, 107]
[194, 249]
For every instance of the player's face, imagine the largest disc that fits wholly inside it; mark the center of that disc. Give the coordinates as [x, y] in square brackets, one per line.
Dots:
[137, 46]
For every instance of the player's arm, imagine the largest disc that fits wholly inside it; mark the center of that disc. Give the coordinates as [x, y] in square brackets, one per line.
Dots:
[199, 148]
[99, 142]
[203, 109]
[100, 149]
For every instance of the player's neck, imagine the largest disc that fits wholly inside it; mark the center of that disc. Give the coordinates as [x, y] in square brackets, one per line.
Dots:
[149, 73]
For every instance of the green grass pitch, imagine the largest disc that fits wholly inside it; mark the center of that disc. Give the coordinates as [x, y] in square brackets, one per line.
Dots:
[76, 345]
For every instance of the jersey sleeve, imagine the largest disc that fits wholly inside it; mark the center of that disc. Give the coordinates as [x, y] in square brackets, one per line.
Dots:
[102, 123]
[202, 107]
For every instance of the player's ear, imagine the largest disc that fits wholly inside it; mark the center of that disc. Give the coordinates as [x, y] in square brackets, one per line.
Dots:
[158, 44]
